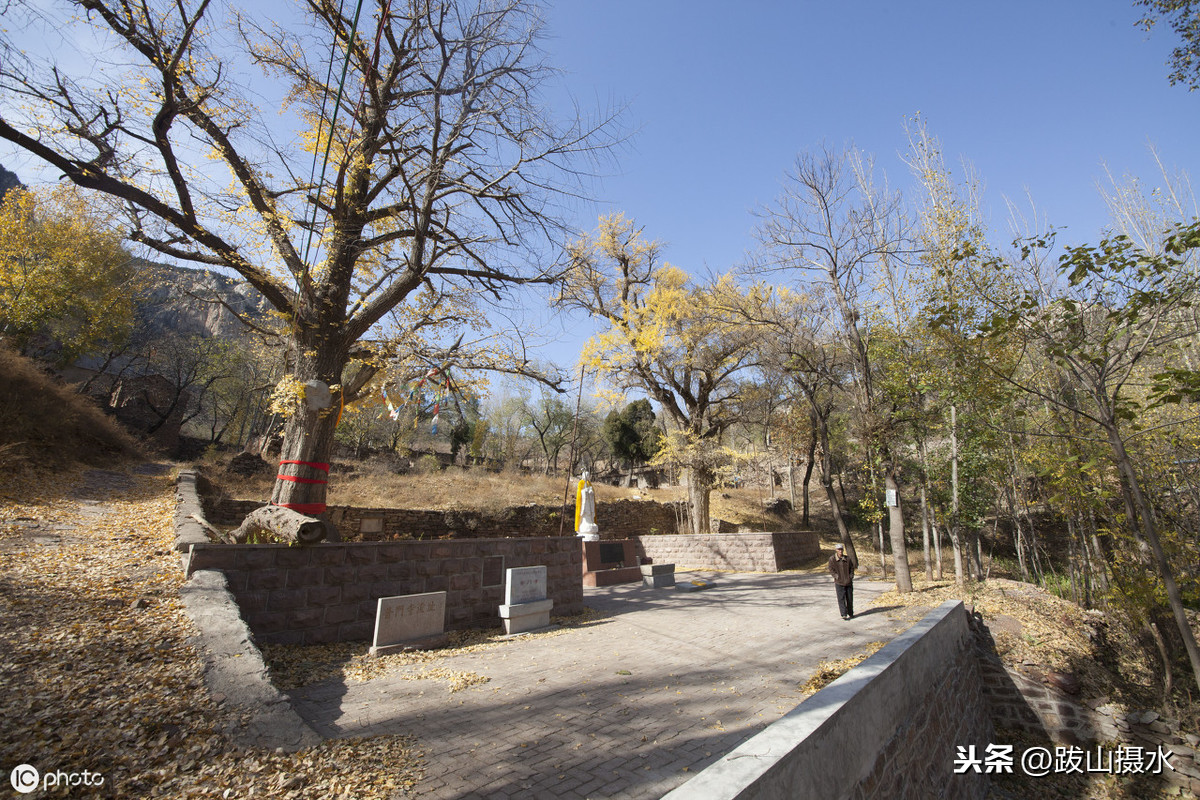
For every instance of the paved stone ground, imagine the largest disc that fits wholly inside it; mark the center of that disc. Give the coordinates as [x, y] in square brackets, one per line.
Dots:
[629, 706]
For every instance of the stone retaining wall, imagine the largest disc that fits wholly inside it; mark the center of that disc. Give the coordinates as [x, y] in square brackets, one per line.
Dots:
[1025, 702]
[620, 519]
[739, 552]
[328, 592]
[886, 730]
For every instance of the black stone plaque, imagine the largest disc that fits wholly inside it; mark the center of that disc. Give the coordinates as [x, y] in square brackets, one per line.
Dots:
[493, 571]
[612, 552]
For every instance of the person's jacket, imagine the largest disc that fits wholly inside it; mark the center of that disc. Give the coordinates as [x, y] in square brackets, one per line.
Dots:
[842, 569]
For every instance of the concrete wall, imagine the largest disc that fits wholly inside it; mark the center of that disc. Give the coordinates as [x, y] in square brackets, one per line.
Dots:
[740, 552]
[328, 592]
[888, 728]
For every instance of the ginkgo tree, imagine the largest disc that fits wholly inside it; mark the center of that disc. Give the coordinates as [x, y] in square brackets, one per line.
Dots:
[393, 145]
[66, 284]
[680, 342]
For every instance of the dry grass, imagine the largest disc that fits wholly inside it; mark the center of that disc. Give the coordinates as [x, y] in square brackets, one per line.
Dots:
[45, 426]
[373, 485]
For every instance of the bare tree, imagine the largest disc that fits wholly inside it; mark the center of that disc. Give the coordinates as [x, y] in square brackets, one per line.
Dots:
[832, 227]
[434, 167]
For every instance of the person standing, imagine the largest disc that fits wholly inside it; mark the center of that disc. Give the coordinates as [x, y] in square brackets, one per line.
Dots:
[842, 567]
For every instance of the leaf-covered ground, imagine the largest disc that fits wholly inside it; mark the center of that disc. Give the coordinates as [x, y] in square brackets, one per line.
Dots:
[99, 672]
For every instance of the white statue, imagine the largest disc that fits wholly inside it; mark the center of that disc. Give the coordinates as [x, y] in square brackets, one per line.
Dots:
[585, 511]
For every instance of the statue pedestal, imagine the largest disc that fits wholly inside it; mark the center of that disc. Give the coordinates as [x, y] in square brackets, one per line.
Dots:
[610, 562]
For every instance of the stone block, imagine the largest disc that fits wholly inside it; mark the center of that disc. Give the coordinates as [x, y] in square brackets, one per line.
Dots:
[287, 599]
[525, 617]
[282, 637]
[265, 623]
[372, 573]
[355, 631]
[324, 595]
[306, 617]
[267, 579]
[238, 580]
[401, 571]
[338, 576]
[463, 583]
[391, 554]
[292, 557]
[326, 634]
[407, 618]
[327, 555]
[304, 577]
[211, 557]
[251, 602]
[361, 555]
[358, 592]
[336, 615]
[259, 558]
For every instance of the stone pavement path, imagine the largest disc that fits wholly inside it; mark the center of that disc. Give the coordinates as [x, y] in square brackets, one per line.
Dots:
[630, 706]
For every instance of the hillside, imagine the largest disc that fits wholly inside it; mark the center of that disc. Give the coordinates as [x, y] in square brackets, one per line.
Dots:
[45, 426]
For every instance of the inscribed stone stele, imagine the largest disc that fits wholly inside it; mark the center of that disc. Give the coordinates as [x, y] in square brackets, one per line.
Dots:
[525, 585]
[411, 616]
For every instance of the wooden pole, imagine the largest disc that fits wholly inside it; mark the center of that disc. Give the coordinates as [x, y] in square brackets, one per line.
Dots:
[562, 519]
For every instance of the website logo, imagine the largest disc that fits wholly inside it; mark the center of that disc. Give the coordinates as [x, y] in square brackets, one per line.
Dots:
[24, 778]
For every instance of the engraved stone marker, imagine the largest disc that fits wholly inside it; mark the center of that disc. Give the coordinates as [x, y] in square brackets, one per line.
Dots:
[525, 605]
[525, 585]
[403, 619]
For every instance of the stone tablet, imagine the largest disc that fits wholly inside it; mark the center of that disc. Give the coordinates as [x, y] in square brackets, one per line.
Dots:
[407, 617]
[525, 585]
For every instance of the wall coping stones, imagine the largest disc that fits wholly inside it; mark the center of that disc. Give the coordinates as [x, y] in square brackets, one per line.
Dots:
[188, 512]
[828, 744]
[234, 667]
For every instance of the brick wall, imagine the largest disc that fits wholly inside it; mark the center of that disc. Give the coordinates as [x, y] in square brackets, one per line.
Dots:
[620, 519]
[328, 592]
[740, 552]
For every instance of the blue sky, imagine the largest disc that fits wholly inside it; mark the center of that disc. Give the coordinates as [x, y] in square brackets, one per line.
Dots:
[722, 97]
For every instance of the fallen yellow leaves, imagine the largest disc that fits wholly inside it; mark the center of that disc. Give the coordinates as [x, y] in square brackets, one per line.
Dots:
[293, 666]
[99, 672]
[829, 671]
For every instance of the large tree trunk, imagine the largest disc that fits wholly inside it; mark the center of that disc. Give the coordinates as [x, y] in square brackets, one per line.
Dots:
[302, 482]
[699, 489]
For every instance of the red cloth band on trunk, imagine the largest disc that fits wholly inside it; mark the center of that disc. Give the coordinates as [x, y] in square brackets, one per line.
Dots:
[314, 464]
